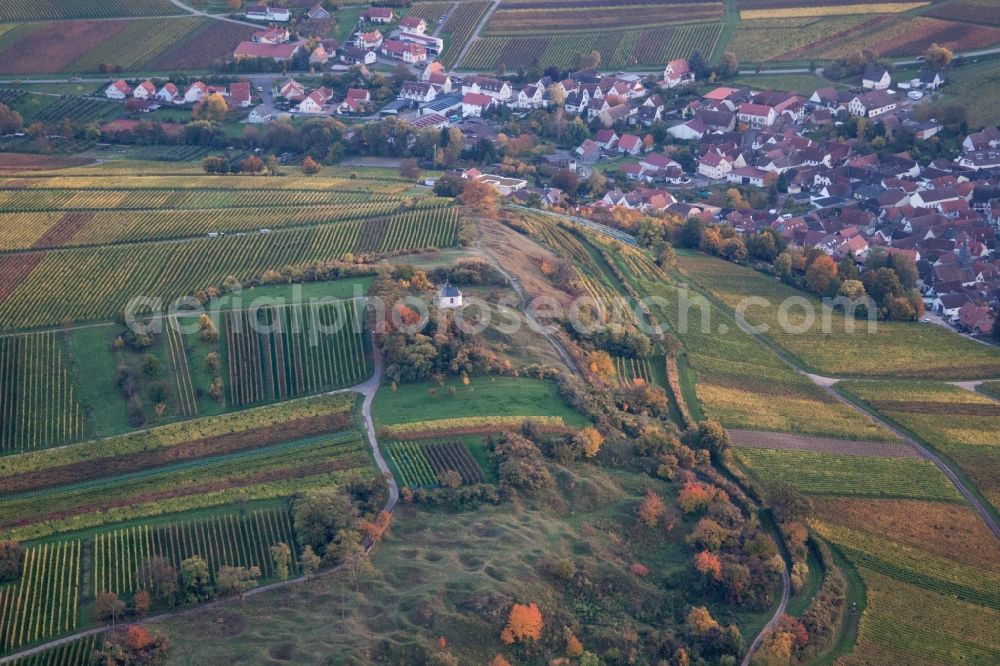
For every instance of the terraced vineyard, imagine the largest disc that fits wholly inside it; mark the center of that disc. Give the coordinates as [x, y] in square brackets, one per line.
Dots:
[37, 402]
[107, 220]
[301, 350]
[45, 601]
[420, 463]
[224, 540]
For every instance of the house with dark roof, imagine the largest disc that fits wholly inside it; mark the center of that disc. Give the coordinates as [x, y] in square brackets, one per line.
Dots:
[876, 77]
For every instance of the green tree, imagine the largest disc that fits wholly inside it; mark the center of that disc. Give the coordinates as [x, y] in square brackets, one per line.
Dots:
[108, 606]
[211, 108]
[309, 561]
[281, 555]
[236, 580]
[11, 556]
[320, 514]
[195, 580]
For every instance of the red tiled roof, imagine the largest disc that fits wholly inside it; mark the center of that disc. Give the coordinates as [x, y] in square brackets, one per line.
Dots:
[261, 50]
[477, 99]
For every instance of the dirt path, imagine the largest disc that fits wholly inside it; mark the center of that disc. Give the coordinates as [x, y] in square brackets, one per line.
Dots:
[368, 389]
[778, 612]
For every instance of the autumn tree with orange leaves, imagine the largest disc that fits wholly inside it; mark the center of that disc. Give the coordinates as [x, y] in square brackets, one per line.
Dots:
[708, 564]
[525, 623]
[652, 510]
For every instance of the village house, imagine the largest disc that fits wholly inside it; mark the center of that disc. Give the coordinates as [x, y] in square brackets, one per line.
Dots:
[930, 79]
[353, 55]
[418, 91]
[876, 77]
[378, 15]
[195, 92]
[145, 90]
[258, 117]
[677, 73]
[319, 56]
[318, 13]
[356, 101]
[630, 144]
[413, 24]
[271, 36]
[606, 139]
[316, 101]
[368, 40]
[239, 94]
[434, 45]
[757, 115]
[276, 52]
[117, 90]
[588, 151]
[530, 97]
[473, 104]
[168, 94]
[408, 53]
[496, 89]
[714, 166]
[872, 104]
[292, 90]
[269, 14]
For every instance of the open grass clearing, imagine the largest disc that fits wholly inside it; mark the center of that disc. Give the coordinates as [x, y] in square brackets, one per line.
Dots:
[483, 397]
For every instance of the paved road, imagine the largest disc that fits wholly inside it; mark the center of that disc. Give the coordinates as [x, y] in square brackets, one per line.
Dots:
[475, 34]
[447, 15]
[901, 61]
[368, 389]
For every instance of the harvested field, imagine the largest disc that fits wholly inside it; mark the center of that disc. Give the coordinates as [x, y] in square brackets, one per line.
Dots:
[19, 162]
[214, 40]
[894, 36]
[970, 11]
[52, 47]
[757, 439]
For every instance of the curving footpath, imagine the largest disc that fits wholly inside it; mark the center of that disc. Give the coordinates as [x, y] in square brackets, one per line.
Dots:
[368, 389]
[786, 587]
